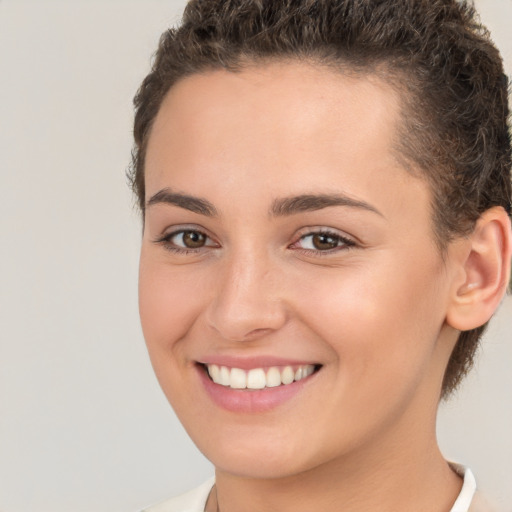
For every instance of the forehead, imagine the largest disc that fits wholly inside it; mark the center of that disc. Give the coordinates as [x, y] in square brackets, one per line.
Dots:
[302, 97]
[274, 127]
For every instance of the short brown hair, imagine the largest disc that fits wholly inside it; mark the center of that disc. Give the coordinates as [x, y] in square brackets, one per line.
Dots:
[434, 52]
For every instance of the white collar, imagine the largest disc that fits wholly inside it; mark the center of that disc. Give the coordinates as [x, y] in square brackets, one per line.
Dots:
[195, 500]
[463, 501]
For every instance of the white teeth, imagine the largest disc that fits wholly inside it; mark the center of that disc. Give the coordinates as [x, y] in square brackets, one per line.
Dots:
[258, 378]
[224, 377]
[308, 370]
[214, 371]
[238, 378]
[288, 375]
[273, 377]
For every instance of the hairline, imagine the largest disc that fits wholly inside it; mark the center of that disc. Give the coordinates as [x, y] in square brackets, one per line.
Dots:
[381, 68]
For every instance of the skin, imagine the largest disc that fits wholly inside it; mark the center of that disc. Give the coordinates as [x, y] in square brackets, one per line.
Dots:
[361, 433]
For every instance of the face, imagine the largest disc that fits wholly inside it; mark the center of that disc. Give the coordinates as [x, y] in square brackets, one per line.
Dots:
[285, 249]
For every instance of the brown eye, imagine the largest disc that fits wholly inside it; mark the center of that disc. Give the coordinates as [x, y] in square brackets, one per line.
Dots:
[324, 241]
[187, 241]
[191, 239]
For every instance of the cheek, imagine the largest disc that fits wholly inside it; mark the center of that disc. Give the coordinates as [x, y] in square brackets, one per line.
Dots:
[382, 323]
[169, 302]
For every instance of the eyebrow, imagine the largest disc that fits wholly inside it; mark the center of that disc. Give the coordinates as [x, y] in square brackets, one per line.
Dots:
[312, 202]
[280, 207]
[191, 203]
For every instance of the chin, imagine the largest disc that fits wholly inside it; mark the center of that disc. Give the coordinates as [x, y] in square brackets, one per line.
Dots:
[253, 456]
[258, 466]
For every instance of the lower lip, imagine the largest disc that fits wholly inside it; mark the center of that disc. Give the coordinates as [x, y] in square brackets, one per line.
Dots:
[250, 400]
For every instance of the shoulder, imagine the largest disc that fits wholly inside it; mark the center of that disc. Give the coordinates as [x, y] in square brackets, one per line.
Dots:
[191, 501]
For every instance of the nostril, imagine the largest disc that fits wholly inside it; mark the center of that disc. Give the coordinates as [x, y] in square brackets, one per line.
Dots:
[257, 333]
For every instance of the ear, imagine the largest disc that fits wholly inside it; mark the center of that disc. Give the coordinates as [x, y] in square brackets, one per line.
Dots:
[484, 271]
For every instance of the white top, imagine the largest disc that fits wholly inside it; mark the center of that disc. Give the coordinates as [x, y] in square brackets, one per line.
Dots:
[195, 500]
[191, 501]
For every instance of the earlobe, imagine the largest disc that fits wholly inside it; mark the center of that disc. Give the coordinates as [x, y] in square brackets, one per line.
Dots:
[486, 271]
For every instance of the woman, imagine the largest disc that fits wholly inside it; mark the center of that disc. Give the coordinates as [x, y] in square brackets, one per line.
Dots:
[325, 188]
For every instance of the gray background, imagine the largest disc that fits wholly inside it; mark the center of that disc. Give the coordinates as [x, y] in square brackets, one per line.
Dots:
[83, 424]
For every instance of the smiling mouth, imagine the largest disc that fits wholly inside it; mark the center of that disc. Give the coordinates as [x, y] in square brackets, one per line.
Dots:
[258, 378]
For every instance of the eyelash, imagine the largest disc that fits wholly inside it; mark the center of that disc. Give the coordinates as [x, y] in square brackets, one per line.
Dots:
[170, 246]
[344, 242]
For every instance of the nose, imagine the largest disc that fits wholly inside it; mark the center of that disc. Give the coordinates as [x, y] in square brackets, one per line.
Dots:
[248, 300]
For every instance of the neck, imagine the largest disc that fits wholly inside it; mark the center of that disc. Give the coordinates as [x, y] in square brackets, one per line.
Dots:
[396, 472]
[422, 483]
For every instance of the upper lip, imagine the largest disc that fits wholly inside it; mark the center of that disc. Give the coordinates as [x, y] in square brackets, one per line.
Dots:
[248, 363]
